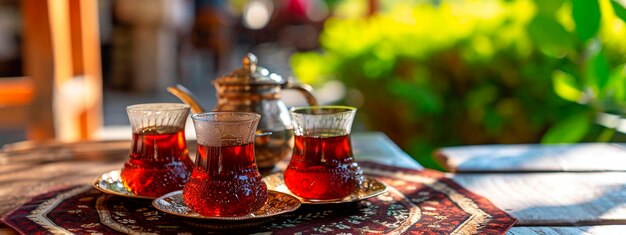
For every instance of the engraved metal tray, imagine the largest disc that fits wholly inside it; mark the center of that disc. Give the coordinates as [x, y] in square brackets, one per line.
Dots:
[277, 203]
[111, 183]
[370, 187]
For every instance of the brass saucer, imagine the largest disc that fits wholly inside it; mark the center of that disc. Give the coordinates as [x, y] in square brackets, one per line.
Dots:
[277, 203]
[370, 187]
[111, 183]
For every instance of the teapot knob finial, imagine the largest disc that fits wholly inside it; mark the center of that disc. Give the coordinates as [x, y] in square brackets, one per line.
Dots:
[249, 62]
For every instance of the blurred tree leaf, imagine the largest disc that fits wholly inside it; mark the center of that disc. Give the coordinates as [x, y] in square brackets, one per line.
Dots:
[586, 14]
[425, 100]
[550, 36]
[617, 82]
[312, 68]
[570, 129]
[548, 6]
[598, 70]
[565, 86]
[449, 89]
[619, 9]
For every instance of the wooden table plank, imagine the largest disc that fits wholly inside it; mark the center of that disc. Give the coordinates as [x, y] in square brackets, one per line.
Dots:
[377, 147]
[554, 199]
[604, 229]
[534, 158]
[6, 230]
[20, 182]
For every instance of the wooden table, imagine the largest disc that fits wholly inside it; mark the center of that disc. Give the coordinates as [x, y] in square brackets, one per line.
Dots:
[551, 189]
[590, 200]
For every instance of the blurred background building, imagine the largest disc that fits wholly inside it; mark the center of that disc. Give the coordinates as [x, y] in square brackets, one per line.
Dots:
[146, 45]
[428, 73]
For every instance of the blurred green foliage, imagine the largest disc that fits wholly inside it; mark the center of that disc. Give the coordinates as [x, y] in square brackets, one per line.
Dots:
[432, 74]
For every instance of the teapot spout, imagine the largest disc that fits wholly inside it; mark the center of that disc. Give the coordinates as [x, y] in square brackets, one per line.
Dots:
[186, 97]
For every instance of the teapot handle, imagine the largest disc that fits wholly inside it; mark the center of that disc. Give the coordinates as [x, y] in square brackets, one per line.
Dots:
[186, 96]
[305, 90]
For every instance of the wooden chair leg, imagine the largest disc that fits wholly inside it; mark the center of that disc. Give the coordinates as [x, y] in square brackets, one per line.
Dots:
[62, 56]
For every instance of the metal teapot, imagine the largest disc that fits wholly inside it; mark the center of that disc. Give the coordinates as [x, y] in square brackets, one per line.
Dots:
[252, 88]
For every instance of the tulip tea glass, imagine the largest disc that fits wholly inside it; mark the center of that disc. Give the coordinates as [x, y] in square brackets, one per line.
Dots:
[159, 162]
[322, 165]
[225, 180]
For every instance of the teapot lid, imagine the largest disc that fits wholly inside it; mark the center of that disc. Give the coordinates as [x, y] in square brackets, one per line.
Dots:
[251, 74]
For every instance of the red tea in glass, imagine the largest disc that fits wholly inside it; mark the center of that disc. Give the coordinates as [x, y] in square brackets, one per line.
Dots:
[322, 168]
[322, 165]
[225, 175]
[159, 162]
[225, 180]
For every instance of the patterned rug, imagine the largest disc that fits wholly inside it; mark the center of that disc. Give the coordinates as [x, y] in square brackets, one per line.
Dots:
[417, 202]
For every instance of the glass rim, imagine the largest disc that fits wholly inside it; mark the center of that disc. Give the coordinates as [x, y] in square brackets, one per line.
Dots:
[343, 108]
[206, 116]
[152, 107]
